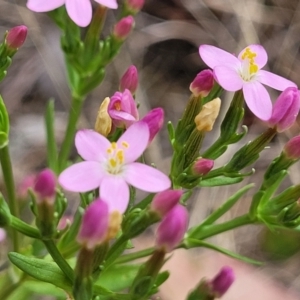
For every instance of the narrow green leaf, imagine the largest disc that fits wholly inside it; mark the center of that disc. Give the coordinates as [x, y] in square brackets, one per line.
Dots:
[219, 181]
[41, 270]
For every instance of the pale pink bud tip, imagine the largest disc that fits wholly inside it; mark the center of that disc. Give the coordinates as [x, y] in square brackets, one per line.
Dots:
[222, 281]
[202, 166]
[292, 148]
[45, 184]
[155, 121]
[135, 5]
[285, 109]
[2, 235]
[94, 225]
[123, 28]
[172, 228]
[16, 37]
[164, 201]
[129, 80]
[203, 83]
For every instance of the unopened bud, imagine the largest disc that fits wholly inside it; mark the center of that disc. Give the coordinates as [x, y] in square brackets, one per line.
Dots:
[123, 28]
[292, 148]
[155, 121]
[208, 115]
[103, 121]
[134, 6]
[202, 166]
[129, 80]
[45, 186]
[16, 37]
[285, 109]
[203, 83]
[222, 281]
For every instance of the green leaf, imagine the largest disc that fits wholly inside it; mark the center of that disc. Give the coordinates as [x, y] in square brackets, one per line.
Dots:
[41, 270]
[192, 243]
[219, 181]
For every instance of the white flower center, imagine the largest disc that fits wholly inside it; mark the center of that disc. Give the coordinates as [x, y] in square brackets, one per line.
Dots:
[115, 161]
[249, 68]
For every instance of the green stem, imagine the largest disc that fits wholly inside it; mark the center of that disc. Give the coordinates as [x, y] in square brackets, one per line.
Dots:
[132, 256]
[74, 114]
[211, 230]
[10, 188]
[57, 257]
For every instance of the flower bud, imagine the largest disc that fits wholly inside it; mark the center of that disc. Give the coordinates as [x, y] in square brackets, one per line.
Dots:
[134, 6]
[172, 228]
[103, 121]
[122, 109]
[123, 28]
[45, 186]
[202, 166]
[16, 37]
[208, 115]
[222, 281]
[129, 80]
[94, 226]
[164, 201]
[292, 148]
[203, 83]
[2, 235]
[285, 109]
[155, 121]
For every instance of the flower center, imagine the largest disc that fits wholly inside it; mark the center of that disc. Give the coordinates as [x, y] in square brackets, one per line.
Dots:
[249, 67]
[117, 105]
[116, 159]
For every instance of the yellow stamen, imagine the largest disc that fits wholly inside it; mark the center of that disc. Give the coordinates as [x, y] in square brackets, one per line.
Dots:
[125, 144]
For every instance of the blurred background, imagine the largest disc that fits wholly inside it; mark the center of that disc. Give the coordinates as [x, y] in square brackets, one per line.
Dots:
[164, 47]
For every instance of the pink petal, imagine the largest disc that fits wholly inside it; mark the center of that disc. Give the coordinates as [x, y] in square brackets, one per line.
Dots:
[80, 11]
[258, 99]
[274, 81]
[228, 78]
[91, 145]
[82, 177]
[44, 5]
[121, 115]
[108, 3]
[137, 137]
[214, 56]
[115, 192]
[261, 55]
[146, 178]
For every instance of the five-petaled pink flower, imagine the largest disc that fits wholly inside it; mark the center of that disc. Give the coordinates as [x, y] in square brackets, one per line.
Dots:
[80, 11]
[244, 72]
[112, 166]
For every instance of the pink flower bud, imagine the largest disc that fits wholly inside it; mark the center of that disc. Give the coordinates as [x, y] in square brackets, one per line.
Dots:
[222, 281]
[135, 5]
[2, 235]
[203, 83]
[292, 148]
[202, 166]
[285, 109]
[155, 121]
[45, 186]
[16, 37]
[164, 201]
[123, 28]
[129, 80]
[94, 226]
[172, 228]
[122, 109]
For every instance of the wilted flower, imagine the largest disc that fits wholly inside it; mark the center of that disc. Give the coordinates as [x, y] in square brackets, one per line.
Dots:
[103, 124]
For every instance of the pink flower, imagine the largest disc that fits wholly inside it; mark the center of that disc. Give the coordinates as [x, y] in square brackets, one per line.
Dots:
[80, 11]
[285, 109]
[129, 80]
[134, 5]
[222, 281]
[202, 84]
[45, 186]
[202, 166]
[112, 166]
[16, 37]
[123, 27]
[122, 109]
[292, 148]
[244, 72]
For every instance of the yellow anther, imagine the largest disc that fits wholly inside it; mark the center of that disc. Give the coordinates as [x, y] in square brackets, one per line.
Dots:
[114, 145]
[109, 151]
[120, 156]
[113, 162]
[253, 68]
[125, 144]
[117, 105]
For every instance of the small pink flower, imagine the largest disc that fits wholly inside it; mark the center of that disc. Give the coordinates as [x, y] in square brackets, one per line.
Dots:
[155, 120]
[285, 109]
[244, 72]
[129, 80]
[80, 11]
[123, 27]
[112, 166]
[203, 83]
[202, 166]
[122, 109]
[172, 228]
[16, 37]
[222, 281]
[94, 225]
[164, 201]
